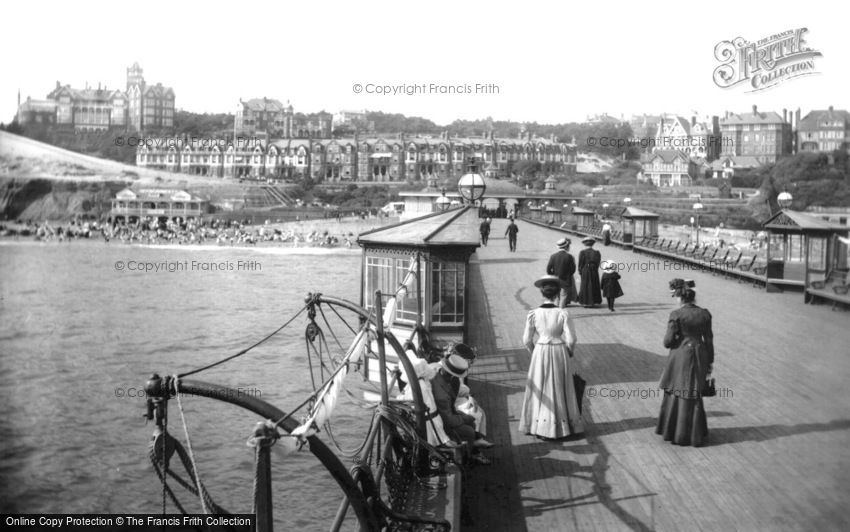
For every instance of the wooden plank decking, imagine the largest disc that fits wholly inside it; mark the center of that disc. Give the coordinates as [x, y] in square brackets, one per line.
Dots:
[778, 456]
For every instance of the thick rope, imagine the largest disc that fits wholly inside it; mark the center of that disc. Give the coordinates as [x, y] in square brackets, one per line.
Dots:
[197, 475]
[166, 489]
[240, 353]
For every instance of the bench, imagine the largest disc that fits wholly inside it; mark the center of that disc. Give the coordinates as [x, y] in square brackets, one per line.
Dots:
[688, 249]
[718, 260]
[751, 268]
[731, 262]
[416, 487]
[707, 255]
[834, 287]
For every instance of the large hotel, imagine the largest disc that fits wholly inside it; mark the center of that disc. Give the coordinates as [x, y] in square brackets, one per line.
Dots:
[140, 107]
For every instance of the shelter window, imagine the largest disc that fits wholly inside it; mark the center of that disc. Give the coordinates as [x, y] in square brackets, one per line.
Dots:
[448, 282]
[817, 253]
[386, 274]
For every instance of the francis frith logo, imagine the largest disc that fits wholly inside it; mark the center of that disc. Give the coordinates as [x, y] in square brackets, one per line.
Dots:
[764, 63]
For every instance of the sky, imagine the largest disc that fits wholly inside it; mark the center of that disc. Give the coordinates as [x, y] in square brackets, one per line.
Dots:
[529, 61]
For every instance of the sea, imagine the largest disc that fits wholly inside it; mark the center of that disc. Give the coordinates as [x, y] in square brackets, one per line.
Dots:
[84, 324]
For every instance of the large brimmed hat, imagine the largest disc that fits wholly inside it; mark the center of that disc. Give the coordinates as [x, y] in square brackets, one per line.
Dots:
[466, 352]
[455, 365]
[588, 240]
[546, 279]
[607, 266]
[563, 243]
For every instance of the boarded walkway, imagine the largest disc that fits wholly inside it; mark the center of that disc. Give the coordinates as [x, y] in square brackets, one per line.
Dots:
[778, 456]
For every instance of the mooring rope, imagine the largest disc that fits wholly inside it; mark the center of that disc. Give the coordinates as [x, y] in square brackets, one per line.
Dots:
[240, 353]
[197, 476]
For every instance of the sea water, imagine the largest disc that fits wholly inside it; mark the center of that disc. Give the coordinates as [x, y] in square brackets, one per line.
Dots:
[84, 324]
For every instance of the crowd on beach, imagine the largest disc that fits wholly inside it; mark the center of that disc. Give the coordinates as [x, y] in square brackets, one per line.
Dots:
[151, 232]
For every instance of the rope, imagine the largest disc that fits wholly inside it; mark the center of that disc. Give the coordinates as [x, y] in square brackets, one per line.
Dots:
[166, 489]
[197, 476]
[184, 458]
[240, 353]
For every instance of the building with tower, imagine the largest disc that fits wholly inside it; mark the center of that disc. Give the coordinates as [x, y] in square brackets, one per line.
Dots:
[140, 107]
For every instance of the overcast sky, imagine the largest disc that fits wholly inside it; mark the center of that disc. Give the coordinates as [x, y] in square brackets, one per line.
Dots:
[550, 62]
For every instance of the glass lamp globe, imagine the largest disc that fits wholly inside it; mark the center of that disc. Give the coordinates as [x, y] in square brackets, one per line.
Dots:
[471, 187]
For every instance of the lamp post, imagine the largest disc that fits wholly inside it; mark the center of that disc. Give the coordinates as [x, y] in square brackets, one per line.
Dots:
[697, 209]
[784, 199]
[605, 210]
[471, 187]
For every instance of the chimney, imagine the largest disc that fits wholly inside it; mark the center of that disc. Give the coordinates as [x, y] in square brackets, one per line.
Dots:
[755, 110]
[797, 117]
[830, 109]
[693, 120]
[785, 115]
[58, 84]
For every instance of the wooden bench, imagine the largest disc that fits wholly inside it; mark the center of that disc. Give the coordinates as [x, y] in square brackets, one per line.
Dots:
[706, 256]
[416, 487]
[834, 287]
[688, 249]
[718, 260]
[732, 261]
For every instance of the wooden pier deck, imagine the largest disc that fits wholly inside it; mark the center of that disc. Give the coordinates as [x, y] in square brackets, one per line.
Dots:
[778, 453]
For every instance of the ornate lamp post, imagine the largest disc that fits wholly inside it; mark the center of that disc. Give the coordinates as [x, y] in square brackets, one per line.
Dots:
[471, 187]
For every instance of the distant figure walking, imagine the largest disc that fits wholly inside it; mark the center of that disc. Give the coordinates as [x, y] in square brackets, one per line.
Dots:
[611, 289]
[606, 233]
[511, 232]
[563, 266]
[682, 418]
[550, 408]
[484, 229]
[590, 293]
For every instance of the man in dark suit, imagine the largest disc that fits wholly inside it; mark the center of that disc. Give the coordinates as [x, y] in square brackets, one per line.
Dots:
[511, 232]
[484, 229]
[563, 266]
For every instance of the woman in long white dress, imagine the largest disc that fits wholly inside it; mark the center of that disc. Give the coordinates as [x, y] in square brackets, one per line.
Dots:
[550, 409]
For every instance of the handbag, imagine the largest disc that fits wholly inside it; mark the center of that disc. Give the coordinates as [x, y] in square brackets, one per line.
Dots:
[579, 385]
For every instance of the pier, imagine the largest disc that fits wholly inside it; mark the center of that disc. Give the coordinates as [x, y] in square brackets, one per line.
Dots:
[778, 451]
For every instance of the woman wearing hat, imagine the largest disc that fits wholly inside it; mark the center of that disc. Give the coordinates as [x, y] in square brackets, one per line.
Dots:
[690, 340]
[588, 265]
[550, 409]
[459, 426]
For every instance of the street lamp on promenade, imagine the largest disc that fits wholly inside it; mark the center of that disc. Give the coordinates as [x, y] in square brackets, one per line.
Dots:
[471, 187]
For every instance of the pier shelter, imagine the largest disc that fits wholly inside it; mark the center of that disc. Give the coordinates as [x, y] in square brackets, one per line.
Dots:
[438, 297]
[808, 252]
[582, 218]
[638, 224]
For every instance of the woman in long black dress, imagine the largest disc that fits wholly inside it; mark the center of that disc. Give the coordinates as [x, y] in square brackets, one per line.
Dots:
[588, 266]
[690, 340]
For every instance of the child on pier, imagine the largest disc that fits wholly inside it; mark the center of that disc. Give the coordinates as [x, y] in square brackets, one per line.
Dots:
[610, 283]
